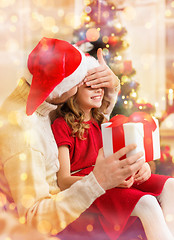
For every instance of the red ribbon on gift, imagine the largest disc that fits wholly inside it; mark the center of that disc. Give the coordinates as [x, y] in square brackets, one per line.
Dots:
[149, 126]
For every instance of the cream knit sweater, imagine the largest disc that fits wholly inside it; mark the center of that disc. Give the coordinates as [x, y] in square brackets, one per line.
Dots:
[29, 162]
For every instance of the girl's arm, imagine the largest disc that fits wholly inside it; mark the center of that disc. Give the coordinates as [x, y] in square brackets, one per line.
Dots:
[65, 180]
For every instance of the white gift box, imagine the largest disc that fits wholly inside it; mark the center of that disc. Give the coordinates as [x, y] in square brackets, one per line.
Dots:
[133, 134]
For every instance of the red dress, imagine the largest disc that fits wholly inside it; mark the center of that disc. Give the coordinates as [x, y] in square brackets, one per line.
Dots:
[115, 206]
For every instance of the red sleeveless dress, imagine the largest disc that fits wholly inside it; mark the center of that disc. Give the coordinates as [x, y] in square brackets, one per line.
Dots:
[115, 206]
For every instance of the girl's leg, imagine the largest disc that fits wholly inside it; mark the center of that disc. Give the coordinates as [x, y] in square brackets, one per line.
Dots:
[166, 199]
[151, 216]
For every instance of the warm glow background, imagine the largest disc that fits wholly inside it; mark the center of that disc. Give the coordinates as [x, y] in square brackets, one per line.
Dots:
[23, 23]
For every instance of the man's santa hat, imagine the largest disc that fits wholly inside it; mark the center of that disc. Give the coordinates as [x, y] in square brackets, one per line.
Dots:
[56, 66]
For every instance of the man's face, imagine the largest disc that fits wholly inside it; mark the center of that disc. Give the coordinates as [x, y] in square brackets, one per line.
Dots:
[63, 97]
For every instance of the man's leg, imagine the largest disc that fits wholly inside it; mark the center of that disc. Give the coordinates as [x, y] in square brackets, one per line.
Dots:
[86, 227]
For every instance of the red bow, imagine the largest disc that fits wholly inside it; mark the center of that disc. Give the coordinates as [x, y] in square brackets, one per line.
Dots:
[149, 126]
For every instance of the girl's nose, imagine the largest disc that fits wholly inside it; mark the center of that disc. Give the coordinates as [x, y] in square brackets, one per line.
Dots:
[98, 90]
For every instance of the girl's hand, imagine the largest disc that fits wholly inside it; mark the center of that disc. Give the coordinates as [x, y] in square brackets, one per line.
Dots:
[101, 76]
[143, 174]
[127, 183]
[110, 172]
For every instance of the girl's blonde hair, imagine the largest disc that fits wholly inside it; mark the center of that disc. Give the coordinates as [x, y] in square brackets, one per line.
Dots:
[74, 116]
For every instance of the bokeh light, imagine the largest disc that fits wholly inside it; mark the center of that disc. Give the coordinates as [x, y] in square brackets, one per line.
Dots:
[54, 232]
[87, 2]
[168, 13]
[92, 34]
[156, 104]
[88, 9]
[117, 227]
[118, 26]
[14, 18]
[7, 238]
[13, 117]
[87, 18]
[105, 39]
[62, 224]
[1, 123]
[27, 200]
[22, 156]
[12, 206]
[124, 79]
[133, 94]
[24, 176]
[22, 220]
[60, 12]
[89, 228]
[105, 51]
[44, 227]
[55, 29]
[3, 200]
[105, 14]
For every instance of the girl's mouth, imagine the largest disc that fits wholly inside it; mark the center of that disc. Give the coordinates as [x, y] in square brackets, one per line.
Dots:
[99, 97]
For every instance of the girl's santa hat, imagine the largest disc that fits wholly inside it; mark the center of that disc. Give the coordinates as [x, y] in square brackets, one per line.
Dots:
[56, 66]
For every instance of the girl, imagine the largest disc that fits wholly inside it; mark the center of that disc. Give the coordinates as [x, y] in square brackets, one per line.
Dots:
[78, 136]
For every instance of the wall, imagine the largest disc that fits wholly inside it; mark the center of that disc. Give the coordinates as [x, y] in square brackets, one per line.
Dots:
[145, 24]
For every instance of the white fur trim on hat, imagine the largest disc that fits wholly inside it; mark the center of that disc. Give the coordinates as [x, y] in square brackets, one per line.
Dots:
[87, 63]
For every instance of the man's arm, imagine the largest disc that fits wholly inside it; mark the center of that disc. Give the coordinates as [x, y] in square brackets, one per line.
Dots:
[52, 211]
[30, 190]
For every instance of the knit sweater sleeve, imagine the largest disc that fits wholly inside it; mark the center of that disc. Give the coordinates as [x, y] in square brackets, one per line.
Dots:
[30, 191]
[26, 157]
[26, 173]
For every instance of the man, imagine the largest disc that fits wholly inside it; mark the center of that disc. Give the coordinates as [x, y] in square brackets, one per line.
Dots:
[29, 155]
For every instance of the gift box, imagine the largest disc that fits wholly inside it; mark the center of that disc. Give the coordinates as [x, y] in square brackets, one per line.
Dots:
[140, 129]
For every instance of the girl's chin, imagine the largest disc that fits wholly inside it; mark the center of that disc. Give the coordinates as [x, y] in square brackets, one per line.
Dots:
[97, 105]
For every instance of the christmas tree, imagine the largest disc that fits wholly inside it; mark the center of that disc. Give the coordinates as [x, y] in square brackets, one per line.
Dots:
[101, 28]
